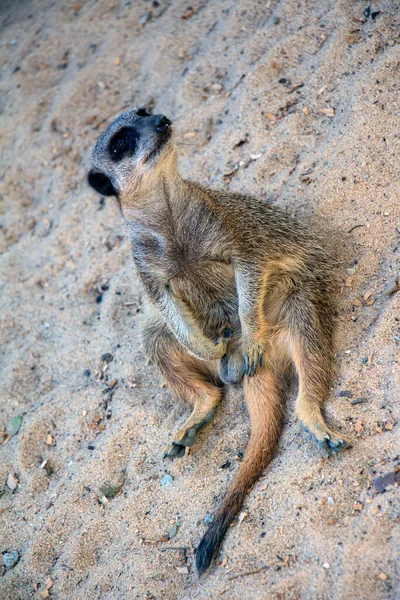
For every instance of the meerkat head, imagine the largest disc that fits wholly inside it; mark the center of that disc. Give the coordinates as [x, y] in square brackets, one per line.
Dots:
[135, 148]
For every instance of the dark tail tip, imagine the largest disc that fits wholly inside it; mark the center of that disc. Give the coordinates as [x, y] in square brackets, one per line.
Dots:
[208, 546]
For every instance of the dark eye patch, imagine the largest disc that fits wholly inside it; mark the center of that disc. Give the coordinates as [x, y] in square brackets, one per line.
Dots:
[123, 143]
[142, 112]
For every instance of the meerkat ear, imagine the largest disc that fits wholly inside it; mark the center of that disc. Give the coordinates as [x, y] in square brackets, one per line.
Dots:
[101, 183]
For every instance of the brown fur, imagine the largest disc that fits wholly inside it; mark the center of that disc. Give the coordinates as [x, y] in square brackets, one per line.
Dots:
[236, 289]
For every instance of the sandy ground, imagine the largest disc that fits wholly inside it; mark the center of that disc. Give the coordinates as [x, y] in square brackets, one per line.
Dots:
[296, 101]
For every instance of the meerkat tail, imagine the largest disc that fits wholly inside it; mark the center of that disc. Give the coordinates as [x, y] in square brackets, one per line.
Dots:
[263, 397]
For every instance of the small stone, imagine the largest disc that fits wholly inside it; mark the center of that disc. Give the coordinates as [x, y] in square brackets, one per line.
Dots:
[331, 500]
[326, 565]
[174, 530]
[383, 576]
[107, 357]
[351, 271]
[276, 20]
[166, 481]
[12, 482]
[146, 17]
[10, 559]
[345, 394]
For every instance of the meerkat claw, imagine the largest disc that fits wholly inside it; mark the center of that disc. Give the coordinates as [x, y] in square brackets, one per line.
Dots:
[173, 451]
[251, 365]
[329, 441]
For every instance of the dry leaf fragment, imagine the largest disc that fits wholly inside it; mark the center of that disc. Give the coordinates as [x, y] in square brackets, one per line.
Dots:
[12, 481]
[110, 491]
[242, 516]
[44, 594]
[49, 583]
[353, 39]
[389, 426]
[328, 112]
[90, 119]
[383, 576]
[357, 506]
[368, 298]
[359, 427]
[50, 441]
[189, 12]
[270, 116]
[307, 111]
[182, 570]
[224, 562]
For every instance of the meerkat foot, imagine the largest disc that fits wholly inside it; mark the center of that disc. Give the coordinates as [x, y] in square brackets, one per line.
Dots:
[326, 438]
[186, 436]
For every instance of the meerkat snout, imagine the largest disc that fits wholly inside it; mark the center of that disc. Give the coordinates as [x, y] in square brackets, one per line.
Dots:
[129, 149]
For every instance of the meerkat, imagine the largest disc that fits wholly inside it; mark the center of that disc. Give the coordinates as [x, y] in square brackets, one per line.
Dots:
[237, 291]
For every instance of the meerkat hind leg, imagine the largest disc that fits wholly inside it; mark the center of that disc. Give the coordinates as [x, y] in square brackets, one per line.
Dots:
[314, 373]
[186, 436]
[195, 381]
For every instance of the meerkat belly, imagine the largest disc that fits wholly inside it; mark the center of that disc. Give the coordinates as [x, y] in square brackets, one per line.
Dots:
[209, 289]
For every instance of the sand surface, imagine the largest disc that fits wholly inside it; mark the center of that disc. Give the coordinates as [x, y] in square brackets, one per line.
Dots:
[295, 101]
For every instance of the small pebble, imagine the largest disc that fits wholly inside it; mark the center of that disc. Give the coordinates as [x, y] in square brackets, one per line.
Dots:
[10, 559]
[351, 271]
[146, 17]
[174, 531]
[326, 565]
[166, 481]
[331, 500]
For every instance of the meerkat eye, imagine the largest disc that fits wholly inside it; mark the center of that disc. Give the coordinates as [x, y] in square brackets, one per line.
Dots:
[123, 143]
[120, 142]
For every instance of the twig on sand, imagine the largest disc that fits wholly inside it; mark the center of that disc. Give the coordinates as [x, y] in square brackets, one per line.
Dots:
[185, 548]
[355, 227]
[246, 573]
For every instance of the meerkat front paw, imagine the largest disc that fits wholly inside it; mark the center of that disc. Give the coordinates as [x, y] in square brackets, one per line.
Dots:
[253, 357]
[224, 334]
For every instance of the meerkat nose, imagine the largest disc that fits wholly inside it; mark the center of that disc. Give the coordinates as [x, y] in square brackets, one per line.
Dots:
[161, 123]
